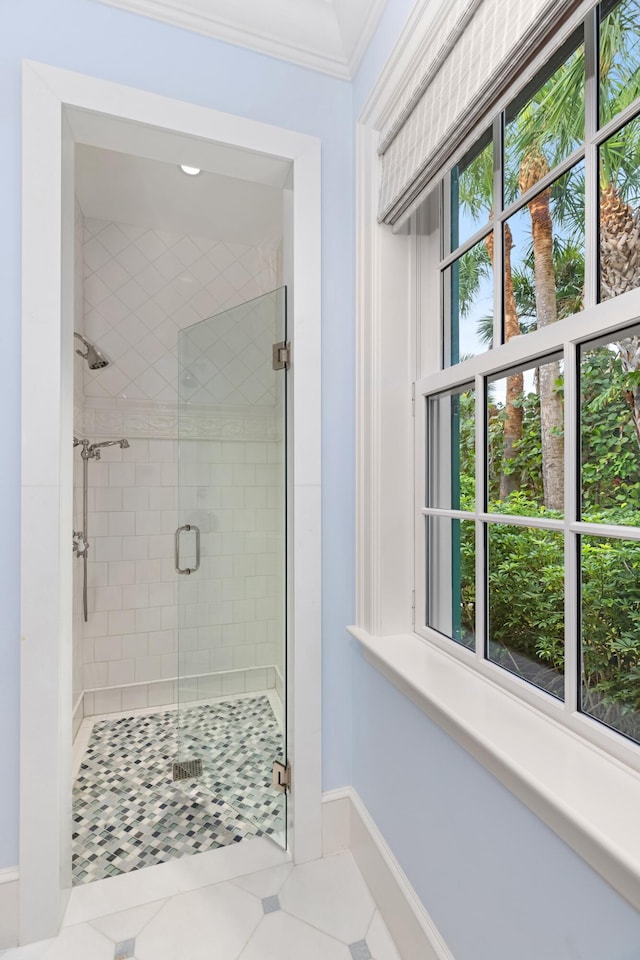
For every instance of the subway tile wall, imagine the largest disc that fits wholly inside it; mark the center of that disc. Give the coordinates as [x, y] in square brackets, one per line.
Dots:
[140, 288]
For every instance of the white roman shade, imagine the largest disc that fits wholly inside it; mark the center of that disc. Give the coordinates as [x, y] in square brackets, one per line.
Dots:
[477, 49]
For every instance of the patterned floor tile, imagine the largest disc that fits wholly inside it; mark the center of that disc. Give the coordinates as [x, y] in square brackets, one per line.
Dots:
[269, 904]
[129, 813]
[360, 950]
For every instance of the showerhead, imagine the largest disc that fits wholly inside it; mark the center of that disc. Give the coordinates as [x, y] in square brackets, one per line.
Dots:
[94, 357]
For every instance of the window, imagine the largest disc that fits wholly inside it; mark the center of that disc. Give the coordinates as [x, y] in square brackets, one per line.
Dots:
[528, 390]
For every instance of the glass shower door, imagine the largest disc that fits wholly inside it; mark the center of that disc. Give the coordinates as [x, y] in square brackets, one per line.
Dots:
[230, 553]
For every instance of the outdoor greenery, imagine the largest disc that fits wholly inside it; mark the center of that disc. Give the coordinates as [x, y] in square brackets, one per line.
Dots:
[543, 282]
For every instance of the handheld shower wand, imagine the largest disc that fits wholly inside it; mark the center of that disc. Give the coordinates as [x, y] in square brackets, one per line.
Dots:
[89, 451]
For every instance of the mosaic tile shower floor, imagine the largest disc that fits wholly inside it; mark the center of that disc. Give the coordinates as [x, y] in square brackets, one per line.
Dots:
[128, 813]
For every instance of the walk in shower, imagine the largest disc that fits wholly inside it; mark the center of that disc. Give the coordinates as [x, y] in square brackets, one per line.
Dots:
[180, 536]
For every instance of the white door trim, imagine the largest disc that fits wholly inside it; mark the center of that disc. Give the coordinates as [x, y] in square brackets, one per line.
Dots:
[47, 429]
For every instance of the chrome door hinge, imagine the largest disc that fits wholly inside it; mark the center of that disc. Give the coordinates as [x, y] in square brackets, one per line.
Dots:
[282, 355]
[281, 776]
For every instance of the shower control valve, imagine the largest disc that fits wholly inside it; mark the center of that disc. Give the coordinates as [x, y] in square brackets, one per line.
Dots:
[80, 543]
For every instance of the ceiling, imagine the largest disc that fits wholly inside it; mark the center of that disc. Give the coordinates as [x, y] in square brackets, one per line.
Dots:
[117, 186]
[326, 35]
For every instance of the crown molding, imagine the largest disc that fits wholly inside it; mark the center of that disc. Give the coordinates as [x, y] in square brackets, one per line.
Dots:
[365, 35]
[297, 41]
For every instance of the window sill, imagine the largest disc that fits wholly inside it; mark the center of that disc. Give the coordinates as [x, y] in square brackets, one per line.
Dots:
[590, 800]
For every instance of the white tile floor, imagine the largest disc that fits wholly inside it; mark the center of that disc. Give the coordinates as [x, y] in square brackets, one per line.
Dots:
[316, 911]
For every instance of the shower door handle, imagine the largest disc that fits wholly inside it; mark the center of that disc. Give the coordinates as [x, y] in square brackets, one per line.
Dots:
[187, 528]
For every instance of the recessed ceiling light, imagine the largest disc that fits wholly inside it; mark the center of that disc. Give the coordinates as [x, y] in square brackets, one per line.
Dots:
[192, 171]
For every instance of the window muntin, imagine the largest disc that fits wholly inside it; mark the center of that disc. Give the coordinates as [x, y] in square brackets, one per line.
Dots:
[553, 670]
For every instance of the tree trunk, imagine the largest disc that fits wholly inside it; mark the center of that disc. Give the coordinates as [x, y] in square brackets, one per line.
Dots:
[515, 384]
[534, 167]
[620, 272]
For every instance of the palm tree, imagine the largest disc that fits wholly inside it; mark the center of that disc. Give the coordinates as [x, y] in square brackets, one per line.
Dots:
[619, 166]
[547, 128]
[533, 167]
[544, 132]
[620, 239]
[513, 420]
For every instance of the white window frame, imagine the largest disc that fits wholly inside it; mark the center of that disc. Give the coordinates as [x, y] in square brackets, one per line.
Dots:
[561, 338]
[521, 735]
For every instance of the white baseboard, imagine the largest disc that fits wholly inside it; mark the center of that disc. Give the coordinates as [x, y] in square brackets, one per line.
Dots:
[348, 825]
[8, 908]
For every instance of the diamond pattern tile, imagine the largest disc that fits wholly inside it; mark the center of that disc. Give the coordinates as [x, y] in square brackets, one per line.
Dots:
[141, 287]
[270, 904]
[124, 950]
[237, 920]
[360, 950]
[127, 811]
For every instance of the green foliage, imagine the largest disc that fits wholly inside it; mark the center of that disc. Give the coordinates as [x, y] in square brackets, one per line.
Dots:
[526, 608]
[475, 184]
[611, 627]
[619, 58]
[527, 464]
[471, 269]
[551, 123]
[526, 626]
[610, 454]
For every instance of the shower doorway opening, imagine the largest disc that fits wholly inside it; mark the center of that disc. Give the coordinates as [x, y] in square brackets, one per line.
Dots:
[63, 110]
[184, 764]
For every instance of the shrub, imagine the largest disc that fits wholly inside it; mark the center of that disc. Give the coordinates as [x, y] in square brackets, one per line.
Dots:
[526, 608]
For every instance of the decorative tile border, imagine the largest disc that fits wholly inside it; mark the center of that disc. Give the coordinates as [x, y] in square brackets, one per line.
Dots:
[132, 418]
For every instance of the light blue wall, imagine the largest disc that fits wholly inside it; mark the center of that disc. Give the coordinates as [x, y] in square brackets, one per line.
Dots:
[497, 882]
[85, 36]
